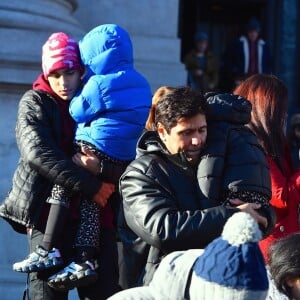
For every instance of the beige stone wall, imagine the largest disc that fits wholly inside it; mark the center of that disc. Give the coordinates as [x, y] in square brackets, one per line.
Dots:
[152, 26]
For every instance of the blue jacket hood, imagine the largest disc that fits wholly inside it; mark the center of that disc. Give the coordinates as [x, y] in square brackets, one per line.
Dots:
[106, 49]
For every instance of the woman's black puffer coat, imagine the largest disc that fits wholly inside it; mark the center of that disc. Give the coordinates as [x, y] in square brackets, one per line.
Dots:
[42, 162]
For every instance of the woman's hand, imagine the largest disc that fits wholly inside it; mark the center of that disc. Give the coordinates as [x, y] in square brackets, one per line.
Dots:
[87, 160]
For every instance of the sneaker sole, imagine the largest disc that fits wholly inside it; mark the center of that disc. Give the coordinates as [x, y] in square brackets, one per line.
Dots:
[71, 282]
[39, 267]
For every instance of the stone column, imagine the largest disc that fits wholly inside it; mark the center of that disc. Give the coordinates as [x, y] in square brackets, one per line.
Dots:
[25, 26]
[288, 51]
[283, 36]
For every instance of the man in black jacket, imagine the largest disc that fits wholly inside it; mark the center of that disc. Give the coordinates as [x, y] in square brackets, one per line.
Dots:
[162, 209]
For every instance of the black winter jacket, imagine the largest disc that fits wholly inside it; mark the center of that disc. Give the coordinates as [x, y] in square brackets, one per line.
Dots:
[161, 211]
[42, 163]
[233, 160]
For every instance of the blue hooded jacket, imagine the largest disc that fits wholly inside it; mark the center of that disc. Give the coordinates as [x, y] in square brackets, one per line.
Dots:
[113, 106]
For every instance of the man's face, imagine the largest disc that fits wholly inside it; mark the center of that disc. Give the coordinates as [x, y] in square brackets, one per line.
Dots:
[201, 45]
[189, 135]
[253, 35]
[65, 83]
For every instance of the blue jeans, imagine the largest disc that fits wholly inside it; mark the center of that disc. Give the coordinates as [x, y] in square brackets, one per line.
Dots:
[108, 272]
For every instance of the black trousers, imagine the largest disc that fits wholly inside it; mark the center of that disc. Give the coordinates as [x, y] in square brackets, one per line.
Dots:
[108, 272]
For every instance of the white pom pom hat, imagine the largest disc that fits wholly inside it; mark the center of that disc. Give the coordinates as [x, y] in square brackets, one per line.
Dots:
[232, 266]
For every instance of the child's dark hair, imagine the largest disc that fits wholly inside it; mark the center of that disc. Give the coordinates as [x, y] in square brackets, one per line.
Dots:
[284, 262]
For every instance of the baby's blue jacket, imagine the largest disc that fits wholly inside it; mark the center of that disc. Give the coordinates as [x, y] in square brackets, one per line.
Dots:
[113, 105]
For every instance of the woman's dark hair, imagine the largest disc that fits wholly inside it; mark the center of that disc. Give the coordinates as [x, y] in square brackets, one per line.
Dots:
[181, 102]
[269, 98]
[284, 261]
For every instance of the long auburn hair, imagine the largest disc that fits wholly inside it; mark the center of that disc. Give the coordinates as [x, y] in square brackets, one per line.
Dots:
[269, 98]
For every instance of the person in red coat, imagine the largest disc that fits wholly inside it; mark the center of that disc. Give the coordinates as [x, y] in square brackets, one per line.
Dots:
[269, 98]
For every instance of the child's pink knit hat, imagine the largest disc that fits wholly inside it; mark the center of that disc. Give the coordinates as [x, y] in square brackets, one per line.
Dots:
[60, 52]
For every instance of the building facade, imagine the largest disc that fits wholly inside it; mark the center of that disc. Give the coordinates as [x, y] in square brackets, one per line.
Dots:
[161, 32]
[24, 27]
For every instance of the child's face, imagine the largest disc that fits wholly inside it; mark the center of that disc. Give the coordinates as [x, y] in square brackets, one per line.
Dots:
[65, 83]
[294, 284]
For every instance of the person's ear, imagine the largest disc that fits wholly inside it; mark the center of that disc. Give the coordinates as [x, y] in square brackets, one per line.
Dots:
[290, 282]
[84, 72]
[161, 131]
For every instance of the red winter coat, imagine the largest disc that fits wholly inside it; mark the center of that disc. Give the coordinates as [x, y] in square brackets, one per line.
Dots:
[285, 200]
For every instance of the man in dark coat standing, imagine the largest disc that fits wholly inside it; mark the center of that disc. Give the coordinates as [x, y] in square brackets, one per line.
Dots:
[248, 55]
[162, 209]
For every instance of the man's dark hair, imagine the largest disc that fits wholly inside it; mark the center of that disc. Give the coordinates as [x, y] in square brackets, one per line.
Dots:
[181, 102]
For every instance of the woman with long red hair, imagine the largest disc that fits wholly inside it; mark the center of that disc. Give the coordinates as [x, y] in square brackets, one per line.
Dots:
[269, 98]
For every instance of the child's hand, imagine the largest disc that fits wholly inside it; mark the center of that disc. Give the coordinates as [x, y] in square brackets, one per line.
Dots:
[103, 194]
[87, 160]
[252, 209]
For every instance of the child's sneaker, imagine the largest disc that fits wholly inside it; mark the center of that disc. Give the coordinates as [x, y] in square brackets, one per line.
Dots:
[74, 275]
[39, 260]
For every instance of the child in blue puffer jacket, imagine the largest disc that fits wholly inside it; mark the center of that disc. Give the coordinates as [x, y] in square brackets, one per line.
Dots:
[110, 111]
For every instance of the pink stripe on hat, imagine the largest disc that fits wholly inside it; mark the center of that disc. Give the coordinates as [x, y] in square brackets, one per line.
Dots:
[60, 52]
